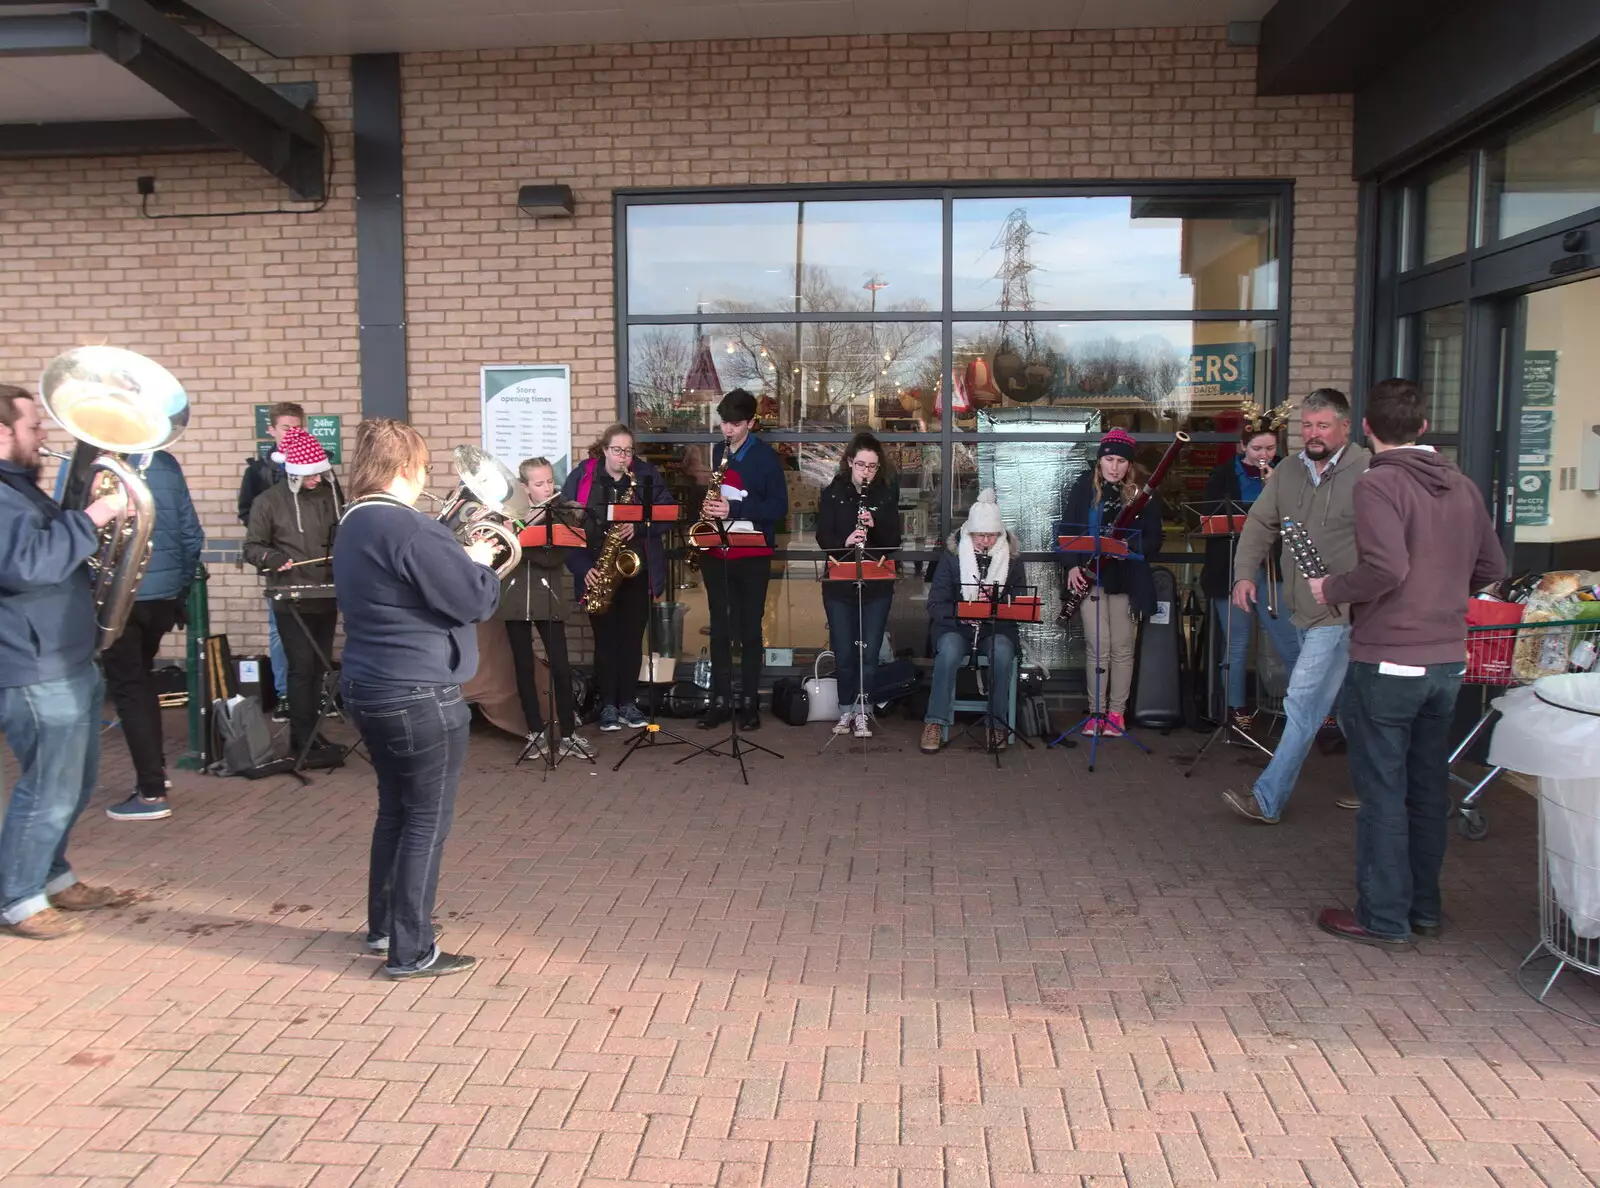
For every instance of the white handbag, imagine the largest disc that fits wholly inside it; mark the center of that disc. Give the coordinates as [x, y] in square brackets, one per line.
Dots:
[822, 693]
[656, 669]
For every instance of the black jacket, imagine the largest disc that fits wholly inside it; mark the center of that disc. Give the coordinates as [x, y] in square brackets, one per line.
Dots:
[290, 526]
[523, 595]
[836, 520]
[1116, 576]
[260, 476]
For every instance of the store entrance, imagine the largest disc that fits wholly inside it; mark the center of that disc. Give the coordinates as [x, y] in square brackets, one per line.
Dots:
[1548, 491]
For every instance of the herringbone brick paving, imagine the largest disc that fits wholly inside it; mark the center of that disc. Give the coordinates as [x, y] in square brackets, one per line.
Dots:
[862, 970]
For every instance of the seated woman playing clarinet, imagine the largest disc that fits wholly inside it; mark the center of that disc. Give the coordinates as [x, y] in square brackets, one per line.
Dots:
[861, 506]
[983, 562]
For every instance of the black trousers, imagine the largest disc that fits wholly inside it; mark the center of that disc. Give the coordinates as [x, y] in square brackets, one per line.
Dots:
[619, 642]
[554, 634]
[736, 593]
[129, 664]
[305, 666]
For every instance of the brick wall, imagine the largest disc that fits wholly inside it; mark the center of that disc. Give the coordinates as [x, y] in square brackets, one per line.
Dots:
[255, 308]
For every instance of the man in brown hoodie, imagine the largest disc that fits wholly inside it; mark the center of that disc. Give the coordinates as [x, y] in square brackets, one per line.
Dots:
[1424, 542]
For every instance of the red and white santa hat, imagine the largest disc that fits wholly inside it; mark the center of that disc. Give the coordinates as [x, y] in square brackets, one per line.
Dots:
[300, 453]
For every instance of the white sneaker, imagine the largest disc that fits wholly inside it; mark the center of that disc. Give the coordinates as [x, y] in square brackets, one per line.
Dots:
[863, 728]
[576, 744]
[842, 726]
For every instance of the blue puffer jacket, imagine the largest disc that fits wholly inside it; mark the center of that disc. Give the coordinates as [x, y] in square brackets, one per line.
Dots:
[178, 539]
[46, 605]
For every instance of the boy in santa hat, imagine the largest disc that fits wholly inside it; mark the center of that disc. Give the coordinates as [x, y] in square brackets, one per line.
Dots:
[290, 539]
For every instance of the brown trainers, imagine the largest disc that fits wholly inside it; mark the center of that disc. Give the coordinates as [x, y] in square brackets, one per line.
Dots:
[46, 925]
[80, 897]
[932, 738]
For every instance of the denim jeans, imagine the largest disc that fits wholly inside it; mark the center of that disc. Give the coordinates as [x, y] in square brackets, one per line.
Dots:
[280, 660]
[842, 638]
[950, 651]
[1399, 731]
[1285, 637]
[54, 731]
[417, 736]
[1313, 690]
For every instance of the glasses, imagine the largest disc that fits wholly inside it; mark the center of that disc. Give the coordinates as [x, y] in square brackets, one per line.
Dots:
[620, 451]
[869, 467]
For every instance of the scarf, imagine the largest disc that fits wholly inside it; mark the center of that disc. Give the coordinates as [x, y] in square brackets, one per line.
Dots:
[999, 565]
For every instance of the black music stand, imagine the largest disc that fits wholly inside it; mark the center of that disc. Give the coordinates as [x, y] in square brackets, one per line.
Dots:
[651, 735]
[285, 595]
[1093, 543]
[992, 603]
[1231, 514]
[862, 705]
[565, 517]
[735, 741]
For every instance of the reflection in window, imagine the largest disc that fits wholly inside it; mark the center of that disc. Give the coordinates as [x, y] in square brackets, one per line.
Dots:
[1114, 253]
[780, 257]
[1440, 335]
[1443, 207]
[1143, 376]
[1544, 173]
[814, 376]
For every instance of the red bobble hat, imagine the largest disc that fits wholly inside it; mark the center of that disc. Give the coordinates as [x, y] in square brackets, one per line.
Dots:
[1118, 444]
[300, 453]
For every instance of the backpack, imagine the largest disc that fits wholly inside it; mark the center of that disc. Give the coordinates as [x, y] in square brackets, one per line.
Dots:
[790, 702]
[246, 737]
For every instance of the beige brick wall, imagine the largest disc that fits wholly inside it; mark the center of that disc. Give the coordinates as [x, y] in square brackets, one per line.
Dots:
[254, 308]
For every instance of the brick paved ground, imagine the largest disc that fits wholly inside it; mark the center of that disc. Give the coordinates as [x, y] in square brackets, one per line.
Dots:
[888, 970]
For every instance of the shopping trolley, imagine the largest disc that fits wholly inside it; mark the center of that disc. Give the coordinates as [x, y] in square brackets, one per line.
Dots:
[1507, 655]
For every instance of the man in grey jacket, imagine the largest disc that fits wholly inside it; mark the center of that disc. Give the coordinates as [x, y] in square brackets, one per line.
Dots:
[50, 687]
[1315, 489]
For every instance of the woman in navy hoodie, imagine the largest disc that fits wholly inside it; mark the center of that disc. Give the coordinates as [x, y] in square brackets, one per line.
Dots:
[411, 597]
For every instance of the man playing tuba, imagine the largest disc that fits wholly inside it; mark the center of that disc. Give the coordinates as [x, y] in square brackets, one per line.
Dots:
[51, 690]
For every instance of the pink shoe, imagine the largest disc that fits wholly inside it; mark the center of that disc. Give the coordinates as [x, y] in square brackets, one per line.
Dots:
[1114, 727]
[1094, 725]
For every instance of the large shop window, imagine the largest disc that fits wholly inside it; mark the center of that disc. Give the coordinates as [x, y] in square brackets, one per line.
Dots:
[1544, 173]
[987, 337]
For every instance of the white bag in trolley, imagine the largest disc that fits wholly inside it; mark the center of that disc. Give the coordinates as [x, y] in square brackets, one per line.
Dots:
[1551, 729]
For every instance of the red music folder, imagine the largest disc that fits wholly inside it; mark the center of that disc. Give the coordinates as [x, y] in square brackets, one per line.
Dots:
[1218, 525]
[562, 536]
[1024, 609]
[633, 513]
[871, 571]
[1110, 546]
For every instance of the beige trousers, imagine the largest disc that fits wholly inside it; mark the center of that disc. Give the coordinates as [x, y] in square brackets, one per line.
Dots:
[1108, 630]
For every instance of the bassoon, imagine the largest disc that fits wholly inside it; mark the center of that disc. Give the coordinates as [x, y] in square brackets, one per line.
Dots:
[1072, 599]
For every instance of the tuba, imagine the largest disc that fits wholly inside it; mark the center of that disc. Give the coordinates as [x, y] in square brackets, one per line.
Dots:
[487, 504]
[128, 407]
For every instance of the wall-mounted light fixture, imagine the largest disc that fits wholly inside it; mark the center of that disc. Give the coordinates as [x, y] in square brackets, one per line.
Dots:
[545, 202]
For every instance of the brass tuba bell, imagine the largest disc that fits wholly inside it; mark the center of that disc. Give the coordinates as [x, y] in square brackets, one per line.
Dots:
[487, 504]
[129, 407]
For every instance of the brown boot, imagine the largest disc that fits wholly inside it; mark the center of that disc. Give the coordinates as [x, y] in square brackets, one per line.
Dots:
[997, 738]
[932, 738]
[46, 925]
[80, 897]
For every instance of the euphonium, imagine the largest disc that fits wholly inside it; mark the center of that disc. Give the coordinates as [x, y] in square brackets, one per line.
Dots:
[616, 560]
[127, 406]
[486, 505]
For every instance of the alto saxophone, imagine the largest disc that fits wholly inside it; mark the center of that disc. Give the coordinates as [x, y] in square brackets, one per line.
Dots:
[705, 526]
[616, 560]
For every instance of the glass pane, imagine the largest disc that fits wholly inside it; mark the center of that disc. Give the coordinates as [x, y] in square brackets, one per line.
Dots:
[815, 376]
[1557, 503]
[1115, 253]
[746, 257]
[1147, 377]
[1441, 334]
[1443, 207]
[1544, 173]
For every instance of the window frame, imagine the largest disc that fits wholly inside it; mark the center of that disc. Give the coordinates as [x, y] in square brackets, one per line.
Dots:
[1279, 192]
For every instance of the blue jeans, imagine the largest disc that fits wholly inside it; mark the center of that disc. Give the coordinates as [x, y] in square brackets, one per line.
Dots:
[1313, 689]
[841, 614]
[949, 652]
[1285, 637]
[54, 731]
[1399, 731]
[417, 736]
[280, 660]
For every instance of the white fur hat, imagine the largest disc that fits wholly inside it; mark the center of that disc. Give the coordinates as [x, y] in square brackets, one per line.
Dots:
[984, 515]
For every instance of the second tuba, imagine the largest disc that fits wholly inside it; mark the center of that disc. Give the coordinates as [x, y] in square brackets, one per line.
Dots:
[487, 504]
[128, 407]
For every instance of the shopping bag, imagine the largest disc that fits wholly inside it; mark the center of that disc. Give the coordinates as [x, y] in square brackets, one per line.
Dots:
[822, 693]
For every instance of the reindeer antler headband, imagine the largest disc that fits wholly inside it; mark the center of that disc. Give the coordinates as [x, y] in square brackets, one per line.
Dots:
[1268, 420]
